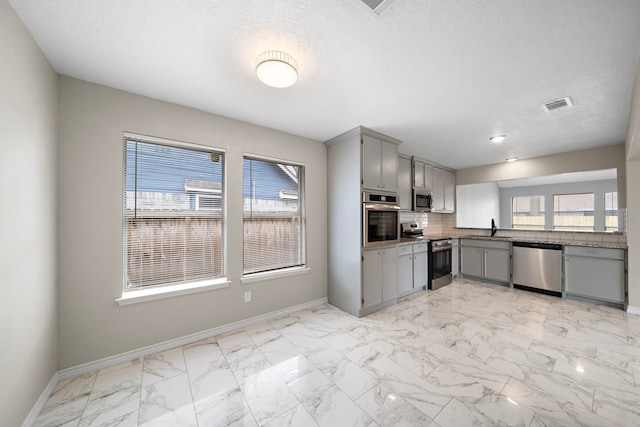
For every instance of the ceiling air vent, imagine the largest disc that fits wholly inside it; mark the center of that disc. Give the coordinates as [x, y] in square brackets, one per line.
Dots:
[558, 104]
[377, 5]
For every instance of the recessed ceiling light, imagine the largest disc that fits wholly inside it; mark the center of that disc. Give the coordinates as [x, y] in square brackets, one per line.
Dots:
[276, 69]
[510, 159]
[497, 138]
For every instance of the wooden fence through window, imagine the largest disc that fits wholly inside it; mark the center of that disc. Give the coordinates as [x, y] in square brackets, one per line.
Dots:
[174, 249]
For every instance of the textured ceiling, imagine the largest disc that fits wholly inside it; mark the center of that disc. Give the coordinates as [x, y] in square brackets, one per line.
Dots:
[442, 76]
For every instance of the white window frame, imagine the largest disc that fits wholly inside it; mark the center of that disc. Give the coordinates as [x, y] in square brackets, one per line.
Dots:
[301, 197]
[150, 293]
[531, 226]
[556, 227]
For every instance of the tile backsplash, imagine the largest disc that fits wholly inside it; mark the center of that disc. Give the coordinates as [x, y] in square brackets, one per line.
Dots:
[432, 223]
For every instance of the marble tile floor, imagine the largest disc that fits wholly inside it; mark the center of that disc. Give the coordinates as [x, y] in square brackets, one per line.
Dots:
[468, 354]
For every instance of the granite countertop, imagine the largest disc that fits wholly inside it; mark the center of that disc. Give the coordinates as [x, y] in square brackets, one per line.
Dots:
[426, 238]
[606, 245]
[411, 241]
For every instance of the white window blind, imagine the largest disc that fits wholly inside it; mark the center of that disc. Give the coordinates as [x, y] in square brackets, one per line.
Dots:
[273, 215]
[168, 237]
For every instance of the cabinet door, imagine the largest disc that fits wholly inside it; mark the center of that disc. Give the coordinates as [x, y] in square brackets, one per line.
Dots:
[404, 182]
[428, 177]
[497, 265]
[595, 278]
[449, 191]
[438, 189]
[418, 174]
[389, 274]
[371, 154]
[420, 270]
[389, 166]
[371, 278]
[405, 278]
[471, 261]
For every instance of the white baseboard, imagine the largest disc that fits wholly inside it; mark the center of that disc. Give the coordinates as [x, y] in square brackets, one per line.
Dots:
[633, 310]
[128, 356]
[42, 400]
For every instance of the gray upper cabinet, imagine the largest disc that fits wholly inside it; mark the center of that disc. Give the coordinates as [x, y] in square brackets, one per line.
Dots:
[444, 187]
[422, 175]
[404, 182]
[379, 164]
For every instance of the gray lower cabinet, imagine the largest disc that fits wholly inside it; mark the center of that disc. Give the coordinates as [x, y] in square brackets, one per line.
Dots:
[412, 268]
[471, 261]
[486, 259]
[497, 264]
[597, 273]
[420, 266]
[405, 270]
[379, 269]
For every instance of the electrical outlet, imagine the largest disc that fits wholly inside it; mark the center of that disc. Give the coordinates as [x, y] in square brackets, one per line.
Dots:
[247, 296]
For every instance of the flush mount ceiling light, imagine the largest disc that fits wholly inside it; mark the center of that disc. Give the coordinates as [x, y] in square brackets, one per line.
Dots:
[511, 159]
[497, 138]
[276, 69]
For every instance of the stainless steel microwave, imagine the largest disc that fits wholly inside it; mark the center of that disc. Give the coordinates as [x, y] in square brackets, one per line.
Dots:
[422, 200]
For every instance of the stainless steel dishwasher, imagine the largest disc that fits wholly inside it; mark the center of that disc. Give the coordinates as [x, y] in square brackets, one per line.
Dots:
[538, 266]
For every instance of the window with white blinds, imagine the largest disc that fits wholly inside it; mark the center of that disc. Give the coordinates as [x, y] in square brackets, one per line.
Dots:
[173, 213]
[273, 215]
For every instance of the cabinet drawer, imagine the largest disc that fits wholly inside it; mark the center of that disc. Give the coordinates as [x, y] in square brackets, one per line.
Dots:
[404, 250]
[419, 247]
[488, 244]
[588, 251]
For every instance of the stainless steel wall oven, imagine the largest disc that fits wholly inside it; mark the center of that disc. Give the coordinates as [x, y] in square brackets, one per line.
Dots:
[381, 219]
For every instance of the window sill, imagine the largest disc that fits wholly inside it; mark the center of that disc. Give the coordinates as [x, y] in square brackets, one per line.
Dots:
[143, 295]
[258, 277]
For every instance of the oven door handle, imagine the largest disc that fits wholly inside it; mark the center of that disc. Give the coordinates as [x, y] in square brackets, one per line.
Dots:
[381, 207]
[441, 248]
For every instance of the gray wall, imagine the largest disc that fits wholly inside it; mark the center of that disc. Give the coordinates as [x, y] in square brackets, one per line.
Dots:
[611, 156]
[28, 312]
[92, 121]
